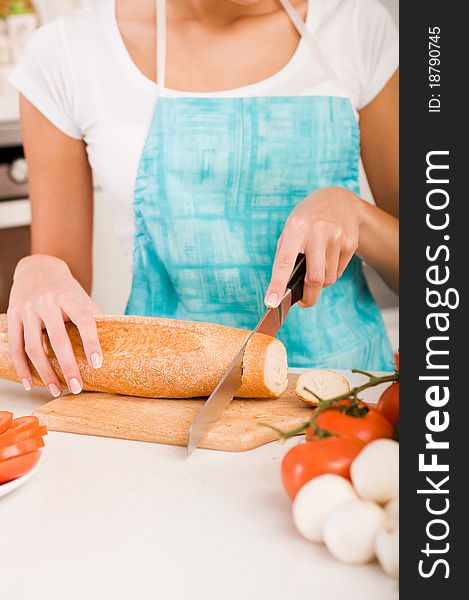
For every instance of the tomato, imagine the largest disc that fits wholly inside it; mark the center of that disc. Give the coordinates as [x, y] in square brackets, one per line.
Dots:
[20, 440]
[311, 459]
[21, 447]
[388, 404]
[371, 426]
[18, 466]
[23, 423]
[5, 420]
[17, 433]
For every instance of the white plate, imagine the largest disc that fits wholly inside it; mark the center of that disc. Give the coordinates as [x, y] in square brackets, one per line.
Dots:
[6, 488]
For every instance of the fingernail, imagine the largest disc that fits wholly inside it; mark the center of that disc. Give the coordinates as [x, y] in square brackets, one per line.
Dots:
[74, 385]
[96, 360]
[272, 301]
[54, 390]
[26, 384]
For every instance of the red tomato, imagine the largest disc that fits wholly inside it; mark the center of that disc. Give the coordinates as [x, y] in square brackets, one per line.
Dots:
[23, 423]
[18, 466]
[17, 433]
[370, 427]
[309, 460]
[388, 404]
[20, 447]
[5, 420]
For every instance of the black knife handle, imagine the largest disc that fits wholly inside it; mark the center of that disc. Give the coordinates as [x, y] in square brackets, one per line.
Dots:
[297, 279]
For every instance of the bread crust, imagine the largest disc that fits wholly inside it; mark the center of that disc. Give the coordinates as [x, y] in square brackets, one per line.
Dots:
[161, 358]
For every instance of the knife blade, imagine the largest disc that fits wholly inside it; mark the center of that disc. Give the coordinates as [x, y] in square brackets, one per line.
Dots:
[230, 383]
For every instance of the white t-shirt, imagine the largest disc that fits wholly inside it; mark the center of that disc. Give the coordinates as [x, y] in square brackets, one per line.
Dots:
[77, 72]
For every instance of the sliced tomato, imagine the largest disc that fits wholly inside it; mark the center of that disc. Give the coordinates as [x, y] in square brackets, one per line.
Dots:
[21, 447]
[5, 420]
[18, 466]
[23, 423]
[16, 434]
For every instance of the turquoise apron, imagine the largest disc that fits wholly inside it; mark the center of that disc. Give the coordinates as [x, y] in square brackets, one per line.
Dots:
[217, 180]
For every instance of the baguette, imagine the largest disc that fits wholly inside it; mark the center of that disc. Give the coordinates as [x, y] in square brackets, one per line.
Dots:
[323, 383]
[165, 358]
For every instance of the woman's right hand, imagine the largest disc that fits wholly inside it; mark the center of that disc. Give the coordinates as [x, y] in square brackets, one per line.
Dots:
[45, 295]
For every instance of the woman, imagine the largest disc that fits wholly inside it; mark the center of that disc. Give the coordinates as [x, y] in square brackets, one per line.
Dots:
[242, 132]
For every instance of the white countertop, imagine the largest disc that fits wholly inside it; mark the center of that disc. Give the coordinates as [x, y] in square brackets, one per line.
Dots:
[115, 519]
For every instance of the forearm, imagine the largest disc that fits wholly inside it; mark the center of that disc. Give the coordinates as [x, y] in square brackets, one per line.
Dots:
[379, 229]
[61, 194]
[60, 238]
[62, 218]
[379, 243]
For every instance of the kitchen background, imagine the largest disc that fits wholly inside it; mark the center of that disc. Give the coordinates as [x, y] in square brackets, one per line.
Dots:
[18, 18]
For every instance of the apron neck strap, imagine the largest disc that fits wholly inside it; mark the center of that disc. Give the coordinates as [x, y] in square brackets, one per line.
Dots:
[305, 33]
[161, 43]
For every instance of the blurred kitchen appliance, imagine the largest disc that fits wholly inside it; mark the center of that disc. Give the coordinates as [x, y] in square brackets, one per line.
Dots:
[14, 208]
[13, 174]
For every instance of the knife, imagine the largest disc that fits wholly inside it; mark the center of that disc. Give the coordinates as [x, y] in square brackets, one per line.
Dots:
[230, 383]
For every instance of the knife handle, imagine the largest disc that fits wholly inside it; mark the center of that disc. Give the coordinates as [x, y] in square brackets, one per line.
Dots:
[297, 279]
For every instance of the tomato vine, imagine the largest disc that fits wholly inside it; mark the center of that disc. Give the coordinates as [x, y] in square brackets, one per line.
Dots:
[348, 403]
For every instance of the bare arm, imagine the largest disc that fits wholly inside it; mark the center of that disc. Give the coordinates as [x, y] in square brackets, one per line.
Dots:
[53, 284]
[332, 224]
[379, 238]
[61, 194]
[379, 129]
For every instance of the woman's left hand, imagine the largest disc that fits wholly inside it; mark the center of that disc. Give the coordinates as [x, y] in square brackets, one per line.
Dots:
[325, 226]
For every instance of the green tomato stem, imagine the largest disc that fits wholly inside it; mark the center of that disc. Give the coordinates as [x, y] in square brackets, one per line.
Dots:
[323, 405]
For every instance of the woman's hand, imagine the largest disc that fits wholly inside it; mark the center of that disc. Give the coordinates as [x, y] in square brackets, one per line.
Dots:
[43, 296]
[325, 227]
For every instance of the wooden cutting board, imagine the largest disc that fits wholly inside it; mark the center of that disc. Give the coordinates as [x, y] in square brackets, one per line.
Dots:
[167, 421]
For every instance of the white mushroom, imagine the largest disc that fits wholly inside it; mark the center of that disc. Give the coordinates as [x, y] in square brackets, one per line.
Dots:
[387, 550]
[387, 540]
[375, 471]
[392, 514]
[350, 530]
[325, 384]
[315, 500]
